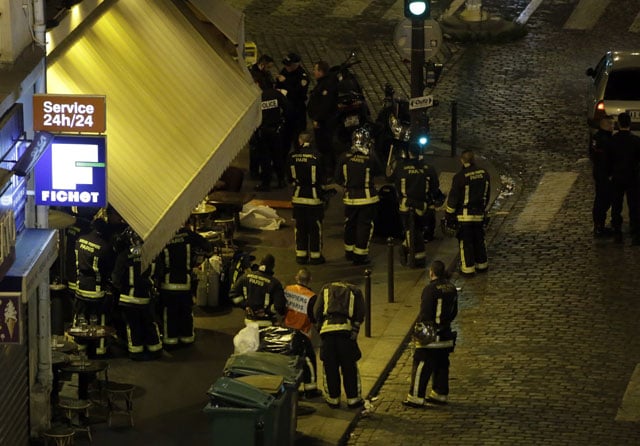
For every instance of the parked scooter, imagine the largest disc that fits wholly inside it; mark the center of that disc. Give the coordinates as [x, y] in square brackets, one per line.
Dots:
[353, 111]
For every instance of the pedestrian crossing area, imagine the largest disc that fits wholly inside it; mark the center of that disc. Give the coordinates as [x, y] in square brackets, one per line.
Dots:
[545, 202]
[584, 16]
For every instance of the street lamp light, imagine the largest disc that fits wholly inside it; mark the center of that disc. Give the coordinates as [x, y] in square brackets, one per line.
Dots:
[417, 9]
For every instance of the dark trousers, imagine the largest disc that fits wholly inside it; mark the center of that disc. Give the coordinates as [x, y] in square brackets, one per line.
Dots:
[308, 231]
[413, 225]
[340, 355]
[428, 362]
[269, 156]
[177, 317]
[601, 200]
[142, 330]
[619, 190]
[309, 369]
[358, 228]
[323, 135]
[473, 251]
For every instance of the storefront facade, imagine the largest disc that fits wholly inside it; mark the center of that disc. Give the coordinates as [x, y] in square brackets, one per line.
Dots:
[180, 106]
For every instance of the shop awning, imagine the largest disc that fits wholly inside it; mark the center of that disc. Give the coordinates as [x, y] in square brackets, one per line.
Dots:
[178, 110]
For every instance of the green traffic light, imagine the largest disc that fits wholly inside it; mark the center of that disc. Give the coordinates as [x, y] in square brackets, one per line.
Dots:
[416, 9]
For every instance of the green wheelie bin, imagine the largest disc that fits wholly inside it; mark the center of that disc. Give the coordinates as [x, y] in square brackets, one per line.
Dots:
[265, 363]
[243, 414]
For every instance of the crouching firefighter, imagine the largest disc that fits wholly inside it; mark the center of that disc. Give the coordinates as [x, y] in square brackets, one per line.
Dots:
[260, 294]
[137, 291]
[339, 312]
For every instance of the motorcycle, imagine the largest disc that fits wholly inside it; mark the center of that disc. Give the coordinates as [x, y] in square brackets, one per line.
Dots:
[353, 111]
[393, 126]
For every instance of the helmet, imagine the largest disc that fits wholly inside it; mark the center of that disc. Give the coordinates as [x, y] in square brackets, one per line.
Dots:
[361, 141]
[449, 227]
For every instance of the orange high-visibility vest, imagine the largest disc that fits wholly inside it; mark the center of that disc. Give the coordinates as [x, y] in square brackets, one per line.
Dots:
[298, 297]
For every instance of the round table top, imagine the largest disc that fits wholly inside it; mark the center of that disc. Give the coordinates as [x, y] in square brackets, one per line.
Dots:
[203, 209]
[64, 346]
[84, 366]
[60, 220]
[92, 332]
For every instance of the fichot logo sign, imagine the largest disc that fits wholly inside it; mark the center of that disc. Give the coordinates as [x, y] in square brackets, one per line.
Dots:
[73, 172]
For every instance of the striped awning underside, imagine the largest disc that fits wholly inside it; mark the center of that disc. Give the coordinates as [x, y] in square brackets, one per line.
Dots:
[178, 111]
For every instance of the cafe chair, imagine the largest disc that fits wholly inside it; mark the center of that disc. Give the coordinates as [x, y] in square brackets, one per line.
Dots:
[62, 435]
[120, 400]
[74, 409]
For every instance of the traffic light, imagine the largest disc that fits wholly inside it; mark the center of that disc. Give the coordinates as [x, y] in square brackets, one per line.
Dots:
[417, 9]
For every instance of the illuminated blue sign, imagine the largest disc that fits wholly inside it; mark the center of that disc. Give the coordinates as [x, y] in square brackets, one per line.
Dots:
[73, 172]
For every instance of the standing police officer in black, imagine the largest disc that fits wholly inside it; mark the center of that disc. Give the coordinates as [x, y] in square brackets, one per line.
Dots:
[307, 175]
[322, 108]
[268, 137]
[625, 164]
[355, 172]
[599, 153]
[294, 80]
[137, 292]
[174, 269]
[95, 259]
[338, 313]
[439, 306]
[466, 205]
[260, 294]
[417, 184]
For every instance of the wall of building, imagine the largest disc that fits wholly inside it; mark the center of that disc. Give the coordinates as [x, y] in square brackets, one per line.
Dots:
[15, 31]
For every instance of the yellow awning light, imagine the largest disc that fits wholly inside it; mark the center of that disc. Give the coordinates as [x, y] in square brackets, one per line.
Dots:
[178, 111]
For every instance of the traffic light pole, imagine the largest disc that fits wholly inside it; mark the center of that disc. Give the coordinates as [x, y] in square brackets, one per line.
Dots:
[417, 72]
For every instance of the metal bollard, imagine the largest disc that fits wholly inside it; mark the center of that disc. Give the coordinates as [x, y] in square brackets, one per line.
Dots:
[367, 303]
[390, 278]
[454, 128]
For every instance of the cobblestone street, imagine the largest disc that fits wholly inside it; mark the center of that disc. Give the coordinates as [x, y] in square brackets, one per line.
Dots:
[548, 339]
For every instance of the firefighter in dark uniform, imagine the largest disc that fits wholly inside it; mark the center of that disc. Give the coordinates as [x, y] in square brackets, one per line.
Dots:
[294, 80]
[438, 305]
[322, 109]
[260, 294]
[174, 269]
[466, 204]
[137, 291]
[599, 153]
[307, 200]
[267, 139]
[339, 311]
[355, 173]
[95, 259]
[625, 166]
[416, 183]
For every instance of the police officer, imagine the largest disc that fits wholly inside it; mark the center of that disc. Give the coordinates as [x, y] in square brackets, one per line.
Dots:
[467, 203]
[260, 294]
[299, 316]
[137, 290]
[355, 173]
[262, 68]
[599, 153]
[339, 312]
[268, 137]
[438, 306]
[322, 108]
[308, 205]
[416, 183]
[294, 80]
[95, 259]
[174, 271]
[625, 164]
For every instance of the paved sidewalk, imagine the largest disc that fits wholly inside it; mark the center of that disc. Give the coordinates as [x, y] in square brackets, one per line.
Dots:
[171, 392]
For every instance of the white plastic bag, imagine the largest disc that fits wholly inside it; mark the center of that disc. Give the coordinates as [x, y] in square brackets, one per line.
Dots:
[247, 339]
[260, 217]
